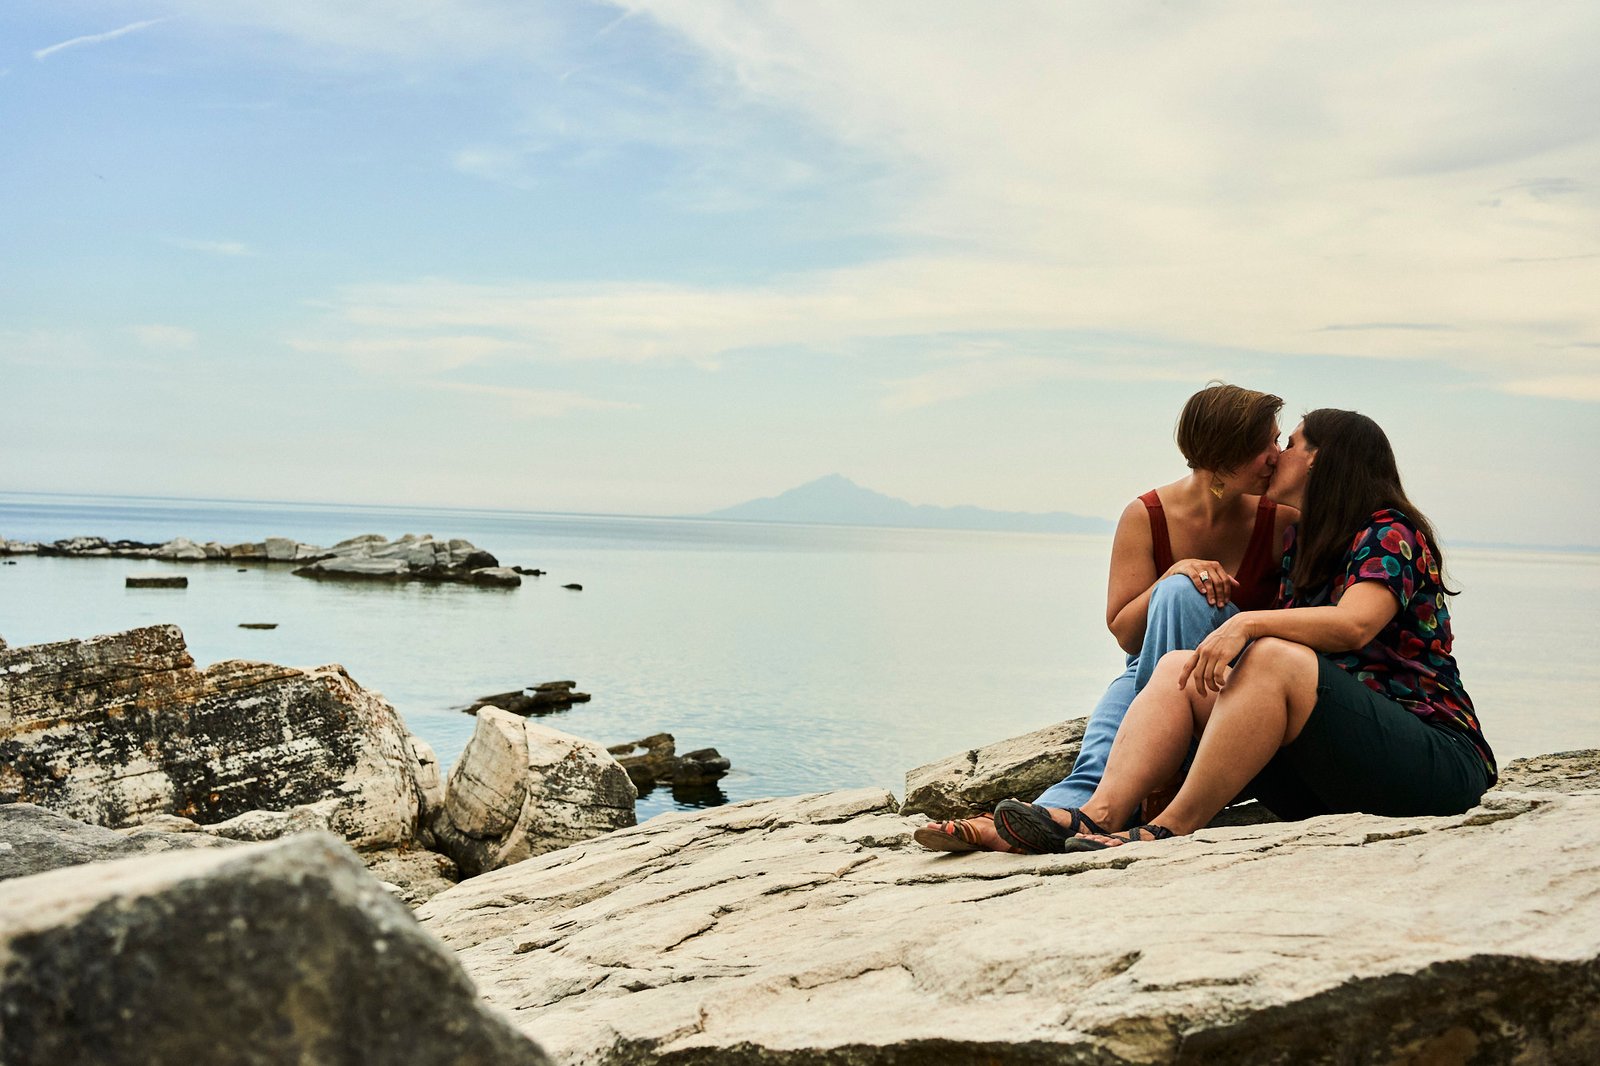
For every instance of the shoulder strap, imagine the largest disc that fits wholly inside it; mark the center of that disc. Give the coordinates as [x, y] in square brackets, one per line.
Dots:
[1160, 542]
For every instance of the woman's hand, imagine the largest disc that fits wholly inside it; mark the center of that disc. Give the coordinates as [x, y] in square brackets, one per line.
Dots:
[1209, 663]
[1210, 579]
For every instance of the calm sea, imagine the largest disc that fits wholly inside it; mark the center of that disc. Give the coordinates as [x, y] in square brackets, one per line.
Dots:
[813, 657]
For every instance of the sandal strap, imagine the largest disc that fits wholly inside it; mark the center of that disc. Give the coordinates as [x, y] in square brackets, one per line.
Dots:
[1083, 820]
[1153, 832]
[963, 828]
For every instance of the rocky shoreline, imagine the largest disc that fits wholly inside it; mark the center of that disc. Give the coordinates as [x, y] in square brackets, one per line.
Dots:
[253, 833]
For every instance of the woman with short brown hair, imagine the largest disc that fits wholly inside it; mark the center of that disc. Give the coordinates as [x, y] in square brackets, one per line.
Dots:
[1185, 558]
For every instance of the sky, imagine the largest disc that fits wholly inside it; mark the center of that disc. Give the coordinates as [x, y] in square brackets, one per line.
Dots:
[663, 256]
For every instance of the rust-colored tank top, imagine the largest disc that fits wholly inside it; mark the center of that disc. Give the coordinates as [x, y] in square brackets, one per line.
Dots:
[1258, 573]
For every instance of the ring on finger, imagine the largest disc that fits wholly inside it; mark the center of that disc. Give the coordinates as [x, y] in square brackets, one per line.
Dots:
[1205, 575]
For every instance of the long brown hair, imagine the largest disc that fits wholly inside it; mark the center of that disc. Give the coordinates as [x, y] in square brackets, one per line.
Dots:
[1354, 475]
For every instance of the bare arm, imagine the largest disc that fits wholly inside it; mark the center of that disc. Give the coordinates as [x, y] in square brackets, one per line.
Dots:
[1360, 615]
[1133, 575]
[1133, 578]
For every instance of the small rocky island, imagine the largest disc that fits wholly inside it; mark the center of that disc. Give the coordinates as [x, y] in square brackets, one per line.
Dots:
[370, 557]
[256, 832]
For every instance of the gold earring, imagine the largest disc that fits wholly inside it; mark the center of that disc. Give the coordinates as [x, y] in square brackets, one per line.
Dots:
[1216, 486]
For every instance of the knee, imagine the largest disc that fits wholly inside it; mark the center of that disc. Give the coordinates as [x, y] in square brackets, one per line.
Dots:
[1274, 657]
[1173, 662]
[1176, 591]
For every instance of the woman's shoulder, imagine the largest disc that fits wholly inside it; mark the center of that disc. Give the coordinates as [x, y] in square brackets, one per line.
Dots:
[1388, 523]
[1388, 531]
[1135, 517]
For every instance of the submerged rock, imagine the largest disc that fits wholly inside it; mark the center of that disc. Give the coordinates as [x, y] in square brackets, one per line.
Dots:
[156, 582]
[522, 789]
[546, 697]
[654, 761]
[812, 929]
[278, 953]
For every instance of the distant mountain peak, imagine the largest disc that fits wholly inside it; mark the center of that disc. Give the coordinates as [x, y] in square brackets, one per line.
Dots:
[834, 499]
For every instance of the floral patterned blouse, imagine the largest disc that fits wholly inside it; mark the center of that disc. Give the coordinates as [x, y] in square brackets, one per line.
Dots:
[1409, 660]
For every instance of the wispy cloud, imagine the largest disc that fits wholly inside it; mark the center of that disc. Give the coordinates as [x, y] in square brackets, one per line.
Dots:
[96, 38]
[391, 352]
[1358, 327]
[975, 377]
[503, 166]
[536, 403]
[231, 248]
[1582, 387]
[1112, 168]
[164, 338]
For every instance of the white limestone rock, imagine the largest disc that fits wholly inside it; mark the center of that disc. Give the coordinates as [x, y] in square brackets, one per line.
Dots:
[281, 549]
[812, 929]
[522, 789]
[357, 566]
[496, 576]
[978, 779]
[119, 729]
[180, 548]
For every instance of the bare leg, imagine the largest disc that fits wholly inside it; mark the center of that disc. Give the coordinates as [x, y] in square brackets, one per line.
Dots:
[1151, 745]
[1263, 706]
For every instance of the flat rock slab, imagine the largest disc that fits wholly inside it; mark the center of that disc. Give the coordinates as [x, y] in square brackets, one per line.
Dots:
[273, 953]
[812, 930]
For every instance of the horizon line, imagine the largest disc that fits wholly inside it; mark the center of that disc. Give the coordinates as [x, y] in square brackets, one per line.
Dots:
[1477, 545]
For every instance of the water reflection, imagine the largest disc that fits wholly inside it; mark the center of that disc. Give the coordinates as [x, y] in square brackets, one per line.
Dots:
[689, 796]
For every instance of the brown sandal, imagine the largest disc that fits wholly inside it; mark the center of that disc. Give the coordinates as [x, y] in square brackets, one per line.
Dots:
[957, 835]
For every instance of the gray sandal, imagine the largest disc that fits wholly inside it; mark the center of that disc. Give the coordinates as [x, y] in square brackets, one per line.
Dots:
[1029, 828]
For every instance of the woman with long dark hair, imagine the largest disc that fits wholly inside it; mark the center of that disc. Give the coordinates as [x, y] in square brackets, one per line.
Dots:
[1350, 701]
[1185, 557]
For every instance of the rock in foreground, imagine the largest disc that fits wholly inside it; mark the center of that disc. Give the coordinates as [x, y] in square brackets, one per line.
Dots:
[276, 953]
[812, 929]
[34, 840]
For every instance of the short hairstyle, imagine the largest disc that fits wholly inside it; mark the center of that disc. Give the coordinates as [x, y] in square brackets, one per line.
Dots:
[1223, 426]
